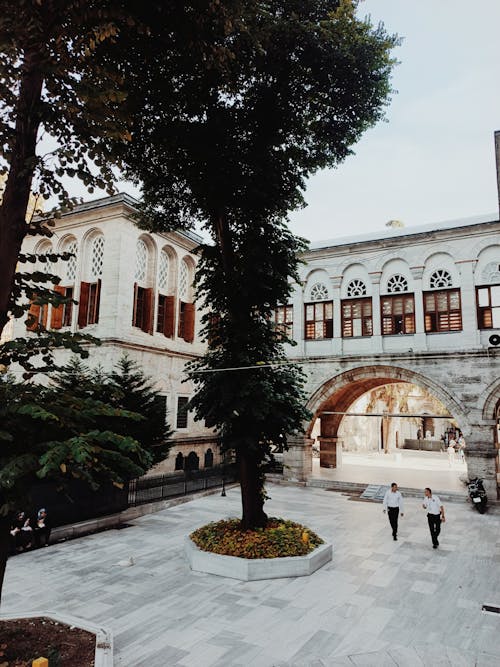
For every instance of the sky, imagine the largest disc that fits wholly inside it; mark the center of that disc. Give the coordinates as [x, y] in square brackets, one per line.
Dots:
[433, 159]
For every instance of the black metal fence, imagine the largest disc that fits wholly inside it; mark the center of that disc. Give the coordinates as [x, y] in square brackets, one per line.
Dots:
[159, 487]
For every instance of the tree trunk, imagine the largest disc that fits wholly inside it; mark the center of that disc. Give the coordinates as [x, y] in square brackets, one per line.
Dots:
[252, 491]
[16, 195]
[4, 548]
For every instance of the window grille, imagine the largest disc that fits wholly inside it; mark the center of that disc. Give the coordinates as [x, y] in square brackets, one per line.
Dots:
[397, 283]
[184, 282]
[439, 279]
[163, 272]
[97, 255]
[491, 273]
[319, 292]
[71, 262]
[356, 288]
[141, 261]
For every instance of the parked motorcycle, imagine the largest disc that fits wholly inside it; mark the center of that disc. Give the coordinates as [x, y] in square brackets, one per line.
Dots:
[477, 494]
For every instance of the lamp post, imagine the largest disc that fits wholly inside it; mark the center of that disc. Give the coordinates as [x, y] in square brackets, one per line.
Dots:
[223, 492]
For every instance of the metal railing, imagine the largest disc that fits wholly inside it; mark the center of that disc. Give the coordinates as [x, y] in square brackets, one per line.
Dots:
[159, 487]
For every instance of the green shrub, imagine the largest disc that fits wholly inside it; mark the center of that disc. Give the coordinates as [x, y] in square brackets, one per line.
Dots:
[279, 538]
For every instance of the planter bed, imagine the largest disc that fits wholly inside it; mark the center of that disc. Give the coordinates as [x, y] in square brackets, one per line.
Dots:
[63, 639]
[252, 569]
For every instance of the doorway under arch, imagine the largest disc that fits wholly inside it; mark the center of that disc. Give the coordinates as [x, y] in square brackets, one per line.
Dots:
[388, 444]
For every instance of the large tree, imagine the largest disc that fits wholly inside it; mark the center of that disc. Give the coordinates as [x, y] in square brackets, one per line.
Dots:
[276, 91]
[57, 82]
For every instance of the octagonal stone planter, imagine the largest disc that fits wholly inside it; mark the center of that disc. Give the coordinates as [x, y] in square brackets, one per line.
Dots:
[253, 569]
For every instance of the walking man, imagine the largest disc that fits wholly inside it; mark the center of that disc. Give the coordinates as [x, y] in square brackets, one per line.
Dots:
[393, 503]
[435, 515]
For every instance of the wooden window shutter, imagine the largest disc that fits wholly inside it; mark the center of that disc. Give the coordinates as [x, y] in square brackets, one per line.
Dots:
[97, 301]
[189, 322]
[33, 317]
[45, 314]
[83, 304]
[147, 319]
[134, 306]
[56, 316]
[169, 317]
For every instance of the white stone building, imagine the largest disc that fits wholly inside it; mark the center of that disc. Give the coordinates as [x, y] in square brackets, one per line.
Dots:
[135, 293]
[415, 305]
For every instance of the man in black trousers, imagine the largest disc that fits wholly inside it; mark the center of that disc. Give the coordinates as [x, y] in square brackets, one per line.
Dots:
[393, 504]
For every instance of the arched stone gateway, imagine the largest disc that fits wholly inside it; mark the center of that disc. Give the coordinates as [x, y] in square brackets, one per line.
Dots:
[467, 394]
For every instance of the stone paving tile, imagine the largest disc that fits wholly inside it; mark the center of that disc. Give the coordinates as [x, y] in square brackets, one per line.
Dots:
[377, 599]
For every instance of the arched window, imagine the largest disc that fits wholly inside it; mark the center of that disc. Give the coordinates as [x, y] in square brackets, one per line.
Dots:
[165, 321]
[356, 288]
[318, 314]
[142, 312]
[356, 311]
[62, 315]
[442, 305]
[439, 279]
[397, 283]
[38, 315]
[319, 292]
[209, 458]
[192, 461]
[179, 461]
[186, 305]
[90, 289]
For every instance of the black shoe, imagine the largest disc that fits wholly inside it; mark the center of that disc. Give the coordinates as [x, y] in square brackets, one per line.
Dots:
[394, 538]
[434, 546]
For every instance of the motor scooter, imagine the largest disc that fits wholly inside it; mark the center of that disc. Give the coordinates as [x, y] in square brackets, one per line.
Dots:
[477, 494]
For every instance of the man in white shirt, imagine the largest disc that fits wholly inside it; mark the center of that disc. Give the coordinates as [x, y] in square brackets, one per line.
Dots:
[435, 514]
[392, 504]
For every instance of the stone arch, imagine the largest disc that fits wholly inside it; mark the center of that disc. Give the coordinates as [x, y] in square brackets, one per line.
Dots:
[316, 276]
[400, 259]
[343, 389]
[355, 271]
[490, 405]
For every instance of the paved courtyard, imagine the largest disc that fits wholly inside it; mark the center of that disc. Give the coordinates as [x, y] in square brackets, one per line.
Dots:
[377, 603]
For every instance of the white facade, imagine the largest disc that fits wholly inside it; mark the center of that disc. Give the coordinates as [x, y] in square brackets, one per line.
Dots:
[455, 258]
[113, 260]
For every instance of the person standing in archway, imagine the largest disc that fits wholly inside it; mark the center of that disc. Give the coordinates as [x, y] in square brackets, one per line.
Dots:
[393, 504]
[435, 515]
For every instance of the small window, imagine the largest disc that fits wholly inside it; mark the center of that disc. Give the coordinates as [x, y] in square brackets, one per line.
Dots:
[398, 314]
[442, 311]
[192, 461]
[357, 317]
[182, 412]
[209, 458]
[318, 320]
[179, 461]
[488, 307]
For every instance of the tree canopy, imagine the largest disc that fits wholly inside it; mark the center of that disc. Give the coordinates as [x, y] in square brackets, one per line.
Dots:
[230, 141]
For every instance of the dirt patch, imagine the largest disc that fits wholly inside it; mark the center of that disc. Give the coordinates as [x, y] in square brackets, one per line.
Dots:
[25, 639]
